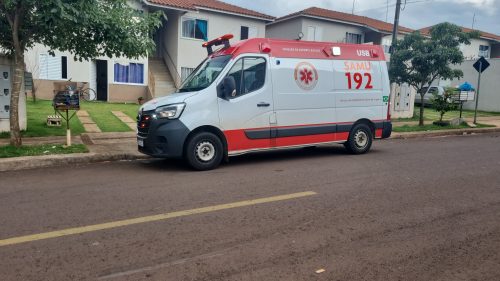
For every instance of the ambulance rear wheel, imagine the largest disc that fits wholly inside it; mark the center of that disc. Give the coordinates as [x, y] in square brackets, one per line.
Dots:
[204, 151]
[360, 139]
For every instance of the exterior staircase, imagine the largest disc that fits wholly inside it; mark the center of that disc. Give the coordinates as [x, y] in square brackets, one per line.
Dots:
[160, 80]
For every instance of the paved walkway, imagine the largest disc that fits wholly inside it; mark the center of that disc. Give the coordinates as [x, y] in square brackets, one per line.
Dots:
[88, 124]
[131, 123]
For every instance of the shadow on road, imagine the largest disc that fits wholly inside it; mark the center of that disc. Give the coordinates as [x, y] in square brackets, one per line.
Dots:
[297, 154]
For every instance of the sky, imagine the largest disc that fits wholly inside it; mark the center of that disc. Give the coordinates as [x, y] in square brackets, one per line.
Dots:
[415, 14]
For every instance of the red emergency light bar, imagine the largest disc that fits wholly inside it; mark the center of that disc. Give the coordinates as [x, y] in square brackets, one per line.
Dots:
[216, 42]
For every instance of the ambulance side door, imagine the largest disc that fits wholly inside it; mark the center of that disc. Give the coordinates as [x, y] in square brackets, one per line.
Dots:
[304, 101]
[245, 116]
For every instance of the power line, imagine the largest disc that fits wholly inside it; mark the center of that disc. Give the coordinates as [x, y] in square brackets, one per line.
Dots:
[393, 5]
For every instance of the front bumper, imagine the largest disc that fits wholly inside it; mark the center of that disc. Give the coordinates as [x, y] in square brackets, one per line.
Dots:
[163, 138]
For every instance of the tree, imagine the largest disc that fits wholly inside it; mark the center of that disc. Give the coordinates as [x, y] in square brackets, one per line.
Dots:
[419, 60]
[87, 28]
[443, 103]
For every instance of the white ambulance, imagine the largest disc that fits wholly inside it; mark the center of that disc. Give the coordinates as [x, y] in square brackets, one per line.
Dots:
[263, 94]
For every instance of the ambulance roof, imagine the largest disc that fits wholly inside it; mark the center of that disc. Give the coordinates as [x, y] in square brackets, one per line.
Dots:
[304, 49]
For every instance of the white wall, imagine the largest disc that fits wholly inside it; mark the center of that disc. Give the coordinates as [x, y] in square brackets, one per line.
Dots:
[332, 31]
[489, 95]
[190, 51]
[472, 51]
[288, 29]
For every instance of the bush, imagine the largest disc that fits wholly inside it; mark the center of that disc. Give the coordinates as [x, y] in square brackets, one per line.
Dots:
[443, 103]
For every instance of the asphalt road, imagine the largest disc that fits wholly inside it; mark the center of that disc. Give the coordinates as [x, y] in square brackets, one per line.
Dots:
[423, 209]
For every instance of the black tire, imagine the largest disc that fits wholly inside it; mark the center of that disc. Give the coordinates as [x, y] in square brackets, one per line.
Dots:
[204, 151]
[360, 139]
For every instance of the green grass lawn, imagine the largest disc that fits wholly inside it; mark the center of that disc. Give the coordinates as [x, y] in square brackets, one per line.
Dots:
[37, 119]
[37, 150]
[432, 127]
[100, 112]
[104, 118]
[431, 114]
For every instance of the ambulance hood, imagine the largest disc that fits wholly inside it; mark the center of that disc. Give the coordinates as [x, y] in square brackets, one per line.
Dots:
[170, 99]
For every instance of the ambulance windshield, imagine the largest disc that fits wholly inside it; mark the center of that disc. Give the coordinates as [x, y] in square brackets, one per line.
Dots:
[204, 74]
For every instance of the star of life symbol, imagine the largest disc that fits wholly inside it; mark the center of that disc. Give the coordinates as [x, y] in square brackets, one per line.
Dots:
[306, 76]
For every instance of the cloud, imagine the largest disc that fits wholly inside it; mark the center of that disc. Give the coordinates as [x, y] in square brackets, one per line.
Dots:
[417, 13]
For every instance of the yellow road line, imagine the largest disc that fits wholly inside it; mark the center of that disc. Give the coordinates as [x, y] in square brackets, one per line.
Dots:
[165, 216]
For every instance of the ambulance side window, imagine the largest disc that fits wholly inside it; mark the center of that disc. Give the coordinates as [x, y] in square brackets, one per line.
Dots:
[249, 74]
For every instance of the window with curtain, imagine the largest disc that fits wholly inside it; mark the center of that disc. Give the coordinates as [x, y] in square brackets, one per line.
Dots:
[195, 28]
[352, 38]
[484, 51]
[53, 67]
[133, 73]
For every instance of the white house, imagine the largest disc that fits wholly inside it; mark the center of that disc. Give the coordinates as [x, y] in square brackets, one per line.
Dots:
[487, 45]
[185, 26]
[317, 24]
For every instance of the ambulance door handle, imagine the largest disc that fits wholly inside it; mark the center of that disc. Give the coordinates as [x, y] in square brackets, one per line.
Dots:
[263, 104]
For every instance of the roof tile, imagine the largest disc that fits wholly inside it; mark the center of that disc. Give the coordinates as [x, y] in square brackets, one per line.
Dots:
[491, 36]
[335, 15]
[210, 4]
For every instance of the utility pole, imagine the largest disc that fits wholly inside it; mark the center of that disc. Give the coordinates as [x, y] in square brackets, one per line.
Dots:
[395, 26]
[387, 11]
[353, 1]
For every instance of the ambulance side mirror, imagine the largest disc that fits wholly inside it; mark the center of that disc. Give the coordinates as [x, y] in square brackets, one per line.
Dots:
[227, 89]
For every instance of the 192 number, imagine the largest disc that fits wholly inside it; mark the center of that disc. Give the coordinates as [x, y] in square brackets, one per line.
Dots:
[358, 80]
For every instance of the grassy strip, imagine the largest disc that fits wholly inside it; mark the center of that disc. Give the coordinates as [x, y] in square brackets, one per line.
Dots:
[36, 150]
[431, 114]
[432, 127]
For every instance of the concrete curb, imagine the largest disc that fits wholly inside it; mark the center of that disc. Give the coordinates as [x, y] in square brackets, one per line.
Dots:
[442, 133]
[32, 162]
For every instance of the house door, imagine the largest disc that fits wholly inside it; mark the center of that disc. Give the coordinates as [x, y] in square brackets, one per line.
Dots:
[102, 80]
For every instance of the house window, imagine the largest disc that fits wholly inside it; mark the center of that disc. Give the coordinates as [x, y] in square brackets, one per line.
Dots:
[195, 28]
[484, 51]
[53, 67]
[352, 38]
[244, 33]
[248, 32]
[133, 73]
[185, 72]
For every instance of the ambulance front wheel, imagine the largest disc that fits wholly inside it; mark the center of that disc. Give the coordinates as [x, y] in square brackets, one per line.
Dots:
[360, 139]
[204, 151]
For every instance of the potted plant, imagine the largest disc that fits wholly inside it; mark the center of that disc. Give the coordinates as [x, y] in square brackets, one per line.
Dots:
[140, 100]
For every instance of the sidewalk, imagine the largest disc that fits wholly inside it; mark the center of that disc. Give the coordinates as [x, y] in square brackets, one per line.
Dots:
[102, 147]
[123, 146]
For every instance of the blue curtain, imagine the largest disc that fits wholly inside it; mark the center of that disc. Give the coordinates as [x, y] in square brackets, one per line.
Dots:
[202, 27]
[136, 73]
[121, 73]
[132, 73]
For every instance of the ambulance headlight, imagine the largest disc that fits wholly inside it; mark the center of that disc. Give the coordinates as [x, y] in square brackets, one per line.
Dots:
[171, 111]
